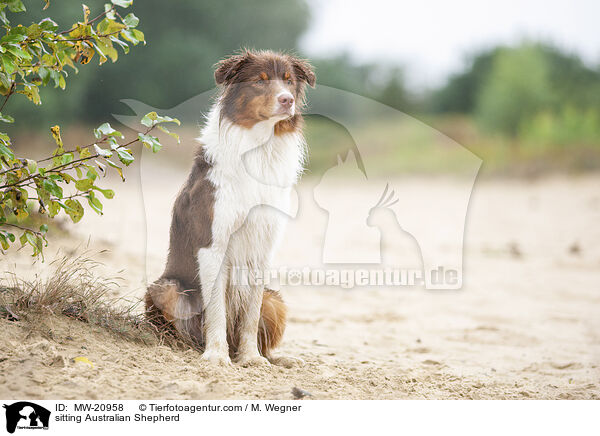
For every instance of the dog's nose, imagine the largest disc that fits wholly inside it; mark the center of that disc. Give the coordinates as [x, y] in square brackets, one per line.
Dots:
[286, 100]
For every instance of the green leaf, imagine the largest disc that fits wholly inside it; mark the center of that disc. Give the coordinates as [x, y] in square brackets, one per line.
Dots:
[91, 172]
[168, 132]
[6, 151]
[18, 52]
[106, 130]
[53, 208]
[95, 203]
[131, 20]
[62, 83]
[51, 186]
[31, 166]
[108, 193]
[152, 118]
[108, 26]
[16, 5]
[34, 31]
[110, 13]
[23, 238]
[67, 177]
[104, 45]
[149, 119]
[32, 93]
[84, 184]
[81, 31]
[74, 209]
[150, 142]
[5, 83]
[123, 44]
[102, 152]
[44, 228]
[125, 156]
[84, 152]
[116, 167]
[133, 35]
[122, 3]
[14, 36]
[8, 64]
[66, 158]
[3, 241]
[48, 24]
[7, 118]
[100, 166]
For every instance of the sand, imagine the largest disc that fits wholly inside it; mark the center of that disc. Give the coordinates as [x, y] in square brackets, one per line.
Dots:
[526, 324]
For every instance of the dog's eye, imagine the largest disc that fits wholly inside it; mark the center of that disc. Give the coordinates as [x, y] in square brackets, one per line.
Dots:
[260, 81]
[289, 82]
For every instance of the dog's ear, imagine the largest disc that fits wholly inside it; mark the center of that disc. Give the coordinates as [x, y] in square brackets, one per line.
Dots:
[304, 71]
[227, 69]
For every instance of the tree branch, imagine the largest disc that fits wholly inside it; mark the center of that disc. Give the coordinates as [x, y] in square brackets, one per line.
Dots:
[10, 92]
[25, 229]
[89, 22]
[64, 166]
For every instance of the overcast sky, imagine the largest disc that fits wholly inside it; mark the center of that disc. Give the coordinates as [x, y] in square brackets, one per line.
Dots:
[432, 38]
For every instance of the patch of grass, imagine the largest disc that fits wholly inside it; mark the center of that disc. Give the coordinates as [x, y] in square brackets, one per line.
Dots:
[74, 291]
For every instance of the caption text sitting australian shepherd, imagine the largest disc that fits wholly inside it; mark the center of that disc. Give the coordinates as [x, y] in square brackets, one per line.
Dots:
[251, 153]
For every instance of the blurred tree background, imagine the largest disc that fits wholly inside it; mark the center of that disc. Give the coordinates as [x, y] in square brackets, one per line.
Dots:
[184, 39]
[530, 96]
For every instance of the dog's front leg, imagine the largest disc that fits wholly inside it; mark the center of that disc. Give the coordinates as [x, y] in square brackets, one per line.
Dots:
[213, 279]
[248, 354]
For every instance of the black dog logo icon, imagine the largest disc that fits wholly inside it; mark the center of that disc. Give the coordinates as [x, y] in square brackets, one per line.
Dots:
[26, 415]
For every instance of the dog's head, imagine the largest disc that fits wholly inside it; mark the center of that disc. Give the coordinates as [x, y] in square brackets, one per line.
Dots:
[263, 85]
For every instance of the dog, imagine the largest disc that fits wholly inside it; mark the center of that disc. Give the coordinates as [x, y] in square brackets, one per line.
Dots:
[251, 154]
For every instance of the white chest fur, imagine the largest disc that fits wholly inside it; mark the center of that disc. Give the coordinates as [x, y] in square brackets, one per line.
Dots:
[253, 172]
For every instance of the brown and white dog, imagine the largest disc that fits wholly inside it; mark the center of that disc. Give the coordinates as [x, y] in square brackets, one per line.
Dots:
[251, 154]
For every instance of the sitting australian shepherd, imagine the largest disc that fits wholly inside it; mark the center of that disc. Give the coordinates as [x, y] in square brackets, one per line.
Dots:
[251, 154]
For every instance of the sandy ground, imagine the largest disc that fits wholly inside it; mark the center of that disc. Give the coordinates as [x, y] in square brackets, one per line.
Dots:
[526, 324]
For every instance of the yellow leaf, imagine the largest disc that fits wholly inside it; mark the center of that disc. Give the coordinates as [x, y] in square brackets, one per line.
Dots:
[86, 13]
[56, 135]
[84, 52]
[84, 360]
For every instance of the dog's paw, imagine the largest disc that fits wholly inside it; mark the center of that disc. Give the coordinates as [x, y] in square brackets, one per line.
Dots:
[287, 361]
[216, 357]
[252, 360]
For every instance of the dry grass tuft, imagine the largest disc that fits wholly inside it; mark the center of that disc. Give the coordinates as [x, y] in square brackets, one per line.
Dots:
[74, 291]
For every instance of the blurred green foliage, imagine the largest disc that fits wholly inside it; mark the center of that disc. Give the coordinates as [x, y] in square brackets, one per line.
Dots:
[532, 91]
[37, 55]
[185, 38]
[516, 88]
[530, 95]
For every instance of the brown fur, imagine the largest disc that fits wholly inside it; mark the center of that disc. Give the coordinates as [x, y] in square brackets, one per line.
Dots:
[249, 78]
[272, 322]
[190, 225]
[174, 301]
[164, 297]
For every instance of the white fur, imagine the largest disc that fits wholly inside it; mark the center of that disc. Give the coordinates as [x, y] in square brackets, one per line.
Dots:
[253, 172]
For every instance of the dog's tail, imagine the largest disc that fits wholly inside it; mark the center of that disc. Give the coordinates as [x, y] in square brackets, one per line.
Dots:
[272, 321]
[175, 310]
[171, 308]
